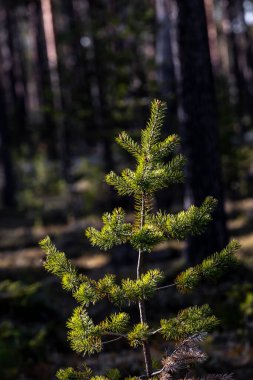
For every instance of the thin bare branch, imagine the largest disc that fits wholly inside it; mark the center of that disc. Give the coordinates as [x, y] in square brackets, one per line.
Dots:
[113, 340]
[165, 287]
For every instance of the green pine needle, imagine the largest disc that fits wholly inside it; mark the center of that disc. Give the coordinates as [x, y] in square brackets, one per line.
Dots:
[114, 232]
[113, 374]
[151, 134]
[193, 221]
[119, 184]
[139, 334]
[188, 322]
[71, 374]
[129, 144]
[146, 238]
[143, 288]
[86, 294]
[115, 323]
[83, 335]
[56, 261]
[210, 269]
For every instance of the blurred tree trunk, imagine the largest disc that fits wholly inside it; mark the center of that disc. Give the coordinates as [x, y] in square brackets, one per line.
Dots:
[164, 58]
[212, 35]
[102, 113]
[8, 99]
[242, 61]
[199, 126]
[55, 80]
[13, 78]
[237, 61]
[43, 81]
[70, 10]
[15, 74]
[8, 195]
[77, 92]
[223, 46]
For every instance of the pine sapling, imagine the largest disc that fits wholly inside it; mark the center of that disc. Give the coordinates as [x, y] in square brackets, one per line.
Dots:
[153, 172]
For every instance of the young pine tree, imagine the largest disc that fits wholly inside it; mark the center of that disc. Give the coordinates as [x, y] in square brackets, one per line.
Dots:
[152, 173]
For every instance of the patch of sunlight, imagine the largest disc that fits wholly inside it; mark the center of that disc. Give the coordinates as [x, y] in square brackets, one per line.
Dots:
[241, 205]
[29, 257]
[245, 253]
[237, 223]
[92, 261]
[171, 244]
[32, 257]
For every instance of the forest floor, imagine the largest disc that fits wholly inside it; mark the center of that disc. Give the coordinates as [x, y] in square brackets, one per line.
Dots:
[32, 325]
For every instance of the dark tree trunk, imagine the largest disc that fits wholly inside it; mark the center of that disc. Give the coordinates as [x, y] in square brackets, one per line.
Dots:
[21, 83]
[17, 87]
[164, 58]
[50, 15]
[102, 111]
[199, 129]
[212, 35]
[13, 80]
[241, 46]
[8, 195]
[78, 95]
[75, 35]
[236, 63]
[63, 134]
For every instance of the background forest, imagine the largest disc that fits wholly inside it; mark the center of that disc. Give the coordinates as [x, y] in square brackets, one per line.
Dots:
[73, 74]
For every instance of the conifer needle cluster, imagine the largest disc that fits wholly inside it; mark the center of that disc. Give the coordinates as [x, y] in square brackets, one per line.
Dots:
[153, 171]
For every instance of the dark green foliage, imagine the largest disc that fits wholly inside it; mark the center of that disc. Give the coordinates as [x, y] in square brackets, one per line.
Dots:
[113, 374]
[17, 290]
[22, 335]
[71, 374]
[85, 374]
[152, 172]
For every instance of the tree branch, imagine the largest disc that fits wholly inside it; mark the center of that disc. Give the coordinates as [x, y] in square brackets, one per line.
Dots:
[142, 309]
[165, 287]
[113, 340]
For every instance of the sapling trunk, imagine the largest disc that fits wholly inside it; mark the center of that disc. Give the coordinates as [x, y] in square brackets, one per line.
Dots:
[142, 307]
